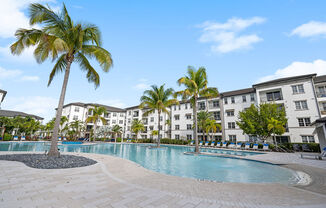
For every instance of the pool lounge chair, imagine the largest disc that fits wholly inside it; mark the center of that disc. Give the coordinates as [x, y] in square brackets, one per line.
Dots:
[191, 143]
[239, 145]
[59, 138]
[218, 144]
[247, 146]
[266, 147]
[212, 144]
[64, 139]
[15, 138]
[201, 143]
[255, 147]
[224, 144]
[316, 156]
[206, 143]
[22, 138]
[231, 145]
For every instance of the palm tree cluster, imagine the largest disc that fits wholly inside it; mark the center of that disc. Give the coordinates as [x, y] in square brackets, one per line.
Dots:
[207, 124]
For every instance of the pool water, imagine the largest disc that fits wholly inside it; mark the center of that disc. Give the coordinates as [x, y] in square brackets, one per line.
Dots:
[172, 160]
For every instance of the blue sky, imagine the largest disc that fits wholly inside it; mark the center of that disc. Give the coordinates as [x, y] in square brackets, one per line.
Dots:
[152, 42]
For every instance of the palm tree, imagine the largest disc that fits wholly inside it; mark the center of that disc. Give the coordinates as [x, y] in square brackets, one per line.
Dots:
[117, 130]
[203, 117]
[158, 99]
[96, 116]
[4, 122]
[76, 127]
[49, 126]
[137, 126]
[168, 123]
[65, 42]
[154, 133]
[212, 126]
[195, 83]
[63, 125]
[276, 127]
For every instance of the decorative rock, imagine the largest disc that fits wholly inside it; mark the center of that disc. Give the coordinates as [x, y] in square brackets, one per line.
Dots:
[42, 161]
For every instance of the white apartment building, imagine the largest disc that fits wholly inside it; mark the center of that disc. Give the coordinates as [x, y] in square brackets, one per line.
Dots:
[80, 111]
[303, 97]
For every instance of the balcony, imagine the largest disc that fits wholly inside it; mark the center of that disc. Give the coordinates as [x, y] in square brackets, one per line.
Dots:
[321, 94]
[323, 112]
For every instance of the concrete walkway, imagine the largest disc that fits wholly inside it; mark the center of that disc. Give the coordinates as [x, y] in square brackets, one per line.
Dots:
[116, 182]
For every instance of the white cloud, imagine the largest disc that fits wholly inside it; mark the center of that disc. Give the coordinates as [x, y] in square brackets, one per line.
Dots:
[38, 105]
[12, 16]
[141, 86]
[298, 68]
[26, 56]
[7, 73]
[227, 37]
[310, 29]
[30, 78]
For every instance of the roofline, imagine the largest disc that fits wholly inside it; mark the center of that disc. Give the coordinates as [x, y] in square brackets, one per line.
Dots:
[285, 79]
[26, 114]
[238, 92]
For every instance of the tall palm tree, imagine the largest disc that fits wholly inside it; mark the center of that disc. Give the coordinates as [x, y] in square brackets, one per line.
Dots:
[137, 126]
[65, 42]
[95, 117]
[212, 126]
[195, 83]
[158, 99]
[203, 117]
[117, 130]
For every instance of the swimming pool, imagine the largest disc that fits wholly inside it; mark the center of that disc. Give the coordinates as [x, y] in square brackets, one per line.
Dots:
[171, 160]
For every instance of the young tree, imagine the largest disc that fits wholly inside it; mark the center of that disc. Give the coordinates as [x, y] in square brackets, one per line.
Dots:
[212, 126]
[195, 83]
[64, 41]
[158, 99]
[154, 133]
[116, 130]
[263, 121]
[96, 116]
[136, 127]
[76, 128]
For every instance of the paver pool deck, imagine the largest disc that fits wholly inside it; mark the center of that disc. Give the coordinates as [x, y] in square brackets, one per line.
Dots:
[117, 182]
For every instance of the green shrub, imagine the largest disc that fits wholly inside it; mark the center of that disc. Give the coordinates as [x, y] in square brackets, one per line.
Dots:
[7, 137]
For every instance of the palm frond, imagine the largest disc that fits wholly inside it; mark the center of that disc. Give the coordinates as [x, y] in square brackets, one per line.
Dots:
[60, 66]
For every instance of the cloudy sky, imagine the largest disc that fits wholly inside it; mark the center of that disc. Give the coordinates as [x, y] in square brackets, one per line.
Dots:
[152, 42]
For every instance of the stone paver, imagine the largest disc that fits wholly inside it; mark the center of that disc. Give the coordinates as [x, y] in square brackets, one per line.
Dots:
[115, 182]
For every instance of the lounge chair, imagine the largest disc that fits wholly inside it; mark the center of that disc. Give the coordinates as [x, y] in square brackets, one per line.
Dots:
[224, 144]
[64, 139]
[255, 147]
[201, 143]
[247, 146]
[22, 138]
[212, 144]
[316, 156]
[191, 143]
[296, 147]
[218, 144]
[305, 148]
[206, 143]
[231, 145]
[59, 138]
[266, 147]
[15, 138]
[239, 145]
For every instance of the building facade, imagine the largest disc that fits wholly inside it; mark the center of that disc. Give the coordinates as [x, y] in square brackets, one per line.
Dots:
[303, 98]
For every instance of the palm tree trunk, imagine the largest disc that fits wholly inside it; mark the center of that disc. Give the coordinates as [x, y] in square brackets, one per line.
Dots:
[158, 135]
[54, 141]
[94, 131]
[195, 125]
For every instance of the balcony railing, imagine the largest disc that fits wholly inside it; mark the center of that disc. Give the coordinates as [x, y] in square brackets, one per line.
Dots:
[321, 94]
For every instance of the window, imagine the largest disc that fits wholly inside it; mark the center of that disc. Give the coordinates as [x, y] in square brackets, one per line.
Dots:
[324, 106]
[189, 126]
[136, 114]
[120, 121]
[217, 115]
[145, 121]
[175, 107]
[114, 114]
[232, 138]
[304, 121]
[186, 106]
[76, 109]
[177, 127]
[75, 117]
[321, 91]
[177, 136]
[151, 128]
[152, 119]
[161, 118]
[176, 117]
[273, 96]
[301, 105]
[216, 104]
[308, 139]
[189, 137]
[129, 113]
[201, 106]
[179, 107]
[188, 116]
[190, 105]
[128, 128]
[231, 125]
[232, 100]
[252, 97]
[129, 120]
[225, 100]
[230, 112]
[244, 98]
[114, 121]
[160, 127]
[121, 115]
[297, 89]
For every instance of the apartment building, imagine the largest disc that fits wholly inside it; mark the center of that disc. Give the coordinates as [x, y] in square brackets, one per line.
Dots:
[81, 111]
[303, 98]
